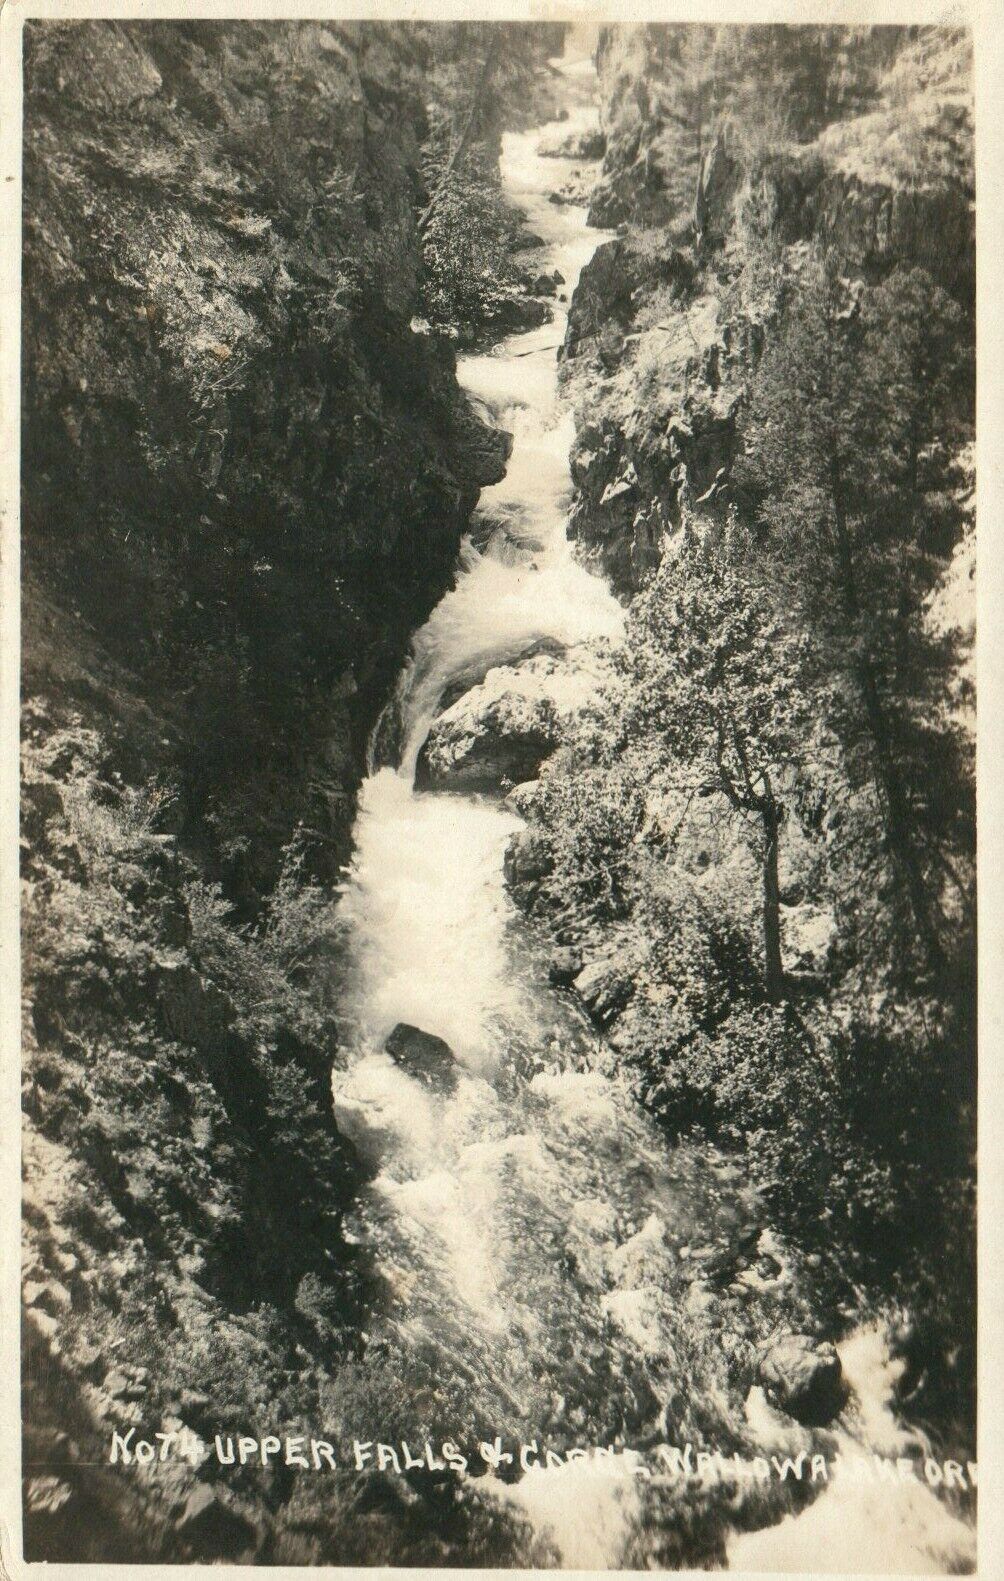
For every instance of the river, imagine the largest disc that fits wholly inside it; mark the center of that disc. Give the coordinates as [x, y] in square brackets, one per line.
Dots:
[541, 1251]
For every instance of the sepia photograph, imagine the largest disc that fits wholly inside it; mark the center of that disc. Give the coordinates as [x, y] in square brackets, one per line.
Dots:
[498, 797]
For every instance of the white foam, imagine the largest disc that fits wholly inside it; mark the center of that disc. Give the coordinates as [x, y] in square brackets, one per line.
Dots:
[427, 906]
[865, 1527]
[585, 1510]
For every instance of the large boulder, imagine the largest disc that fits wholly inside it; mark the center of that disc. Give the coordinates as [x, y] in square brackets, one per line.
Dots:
[212, 1526]
[496, 734]
[803, 1377]
[428, 1058]
[479, 745]
[527, 859]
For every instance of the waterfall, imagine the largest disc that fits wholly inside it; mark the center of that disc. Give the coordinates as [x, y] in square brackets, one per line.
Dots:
[531, 1227]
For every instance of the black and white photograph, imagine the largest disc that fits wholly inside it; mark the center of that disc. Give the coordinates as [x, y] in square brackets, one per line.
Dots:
[497, 587]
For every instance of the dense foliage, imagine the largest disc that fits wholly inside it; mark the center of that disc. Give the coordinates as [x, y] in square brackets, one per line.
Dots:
[485, 78]
[473, 283]
[765, 825]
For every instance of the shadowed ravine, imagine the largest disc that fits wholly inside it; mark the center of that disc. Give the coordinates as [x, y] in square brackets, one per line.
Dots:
[545, 1261]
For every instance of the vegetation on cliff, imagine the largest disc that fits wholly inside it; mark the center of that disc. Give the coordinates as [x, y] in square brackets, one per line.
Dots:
[245, 478]
[247, 468]
[759, 843]
[242, 466]
[487, 78]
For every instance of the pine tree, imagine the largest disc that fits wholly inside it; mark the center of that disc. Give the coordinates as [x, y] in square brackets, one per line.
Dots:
[850, 445]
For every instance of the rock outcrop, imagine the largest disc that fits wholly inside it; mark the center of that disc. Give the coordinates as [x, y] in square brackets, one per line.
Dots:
[496, 735]
[861, 143]
[246, 472]
[527, 859]
[482, 747]
[243, 469]
[423, 1055]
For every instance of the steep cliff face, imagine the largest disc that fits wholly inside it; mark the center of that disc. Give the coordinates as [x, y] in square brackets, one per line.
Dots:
[242, 468]
[245, 478]
[730, 152]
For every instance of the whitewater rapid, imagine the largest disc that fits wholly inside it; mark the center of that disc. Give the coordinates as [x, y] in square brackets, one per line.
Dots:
[530, 1228]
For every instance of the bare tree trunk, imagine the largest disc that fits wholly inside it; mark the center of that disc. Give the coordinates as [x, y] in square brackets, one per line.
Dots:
[773, 968]
[769, 811]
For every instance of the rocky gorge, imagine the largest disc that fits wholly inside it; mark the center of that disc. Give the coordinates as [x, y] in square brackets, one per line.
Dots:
[551, 1077]
[222, 256]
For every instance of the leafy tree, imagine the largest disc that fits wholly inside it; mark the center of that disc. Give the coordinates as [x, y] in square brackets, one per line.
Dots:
[470, 272]
[713, 687]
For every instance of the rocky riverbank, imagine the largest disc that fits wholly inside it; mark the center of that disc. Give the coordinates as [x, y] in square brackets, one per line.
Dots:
[247, 466]
[728, 1196]
[733, 160]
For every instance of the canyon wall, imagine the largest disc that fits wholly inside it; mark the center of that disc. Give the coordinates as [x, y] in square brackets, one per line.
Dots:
[244, 473]
[246, 470]
[771, 369]
[723, 144]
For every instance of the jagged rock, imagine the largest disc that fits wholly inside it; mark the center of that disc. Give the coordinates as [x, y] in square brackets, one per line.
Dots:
[112, 72]
[605, 987]
[612, 285]
[213, 1527]
[223, 278]
[480, 746]
[564, 966]
[527, 858]
[195, 1010]
[803, 1377]
[502, 729]
[428, 1058]
[625, 484]
[716, 187]
[483, 450]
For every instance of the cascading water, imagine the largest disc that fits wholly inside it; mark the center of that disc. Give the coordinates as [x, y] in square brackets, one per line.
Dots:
[536, 1240]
